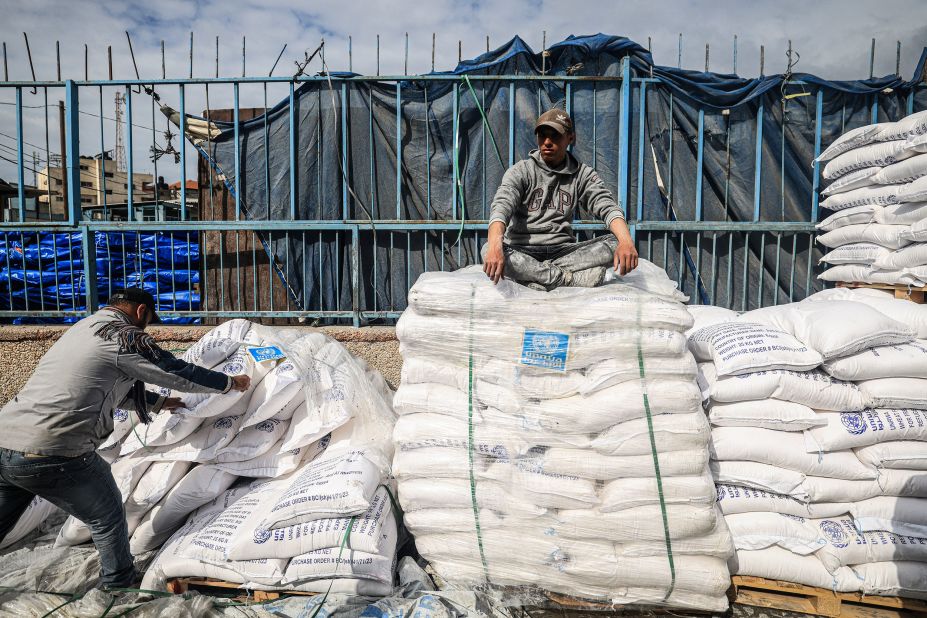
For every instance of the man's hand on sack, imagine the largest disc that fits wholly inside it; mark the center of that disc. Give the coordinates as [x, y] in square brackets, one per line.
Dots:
[241, 383]
[494, 262]
[625, 258]
[172, 403]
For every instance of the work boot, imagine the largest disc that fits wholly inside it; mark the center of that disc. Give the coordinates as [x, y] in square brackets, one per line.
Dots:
[587, 278]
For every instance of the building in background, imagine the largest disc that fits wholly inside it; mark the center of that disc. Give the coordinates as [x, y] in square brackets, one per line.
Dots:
[101, 183]
[9, 202]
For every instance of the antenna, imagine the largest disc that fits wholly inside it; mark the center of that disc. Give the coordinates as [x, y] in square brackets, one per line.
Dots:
[120, 144]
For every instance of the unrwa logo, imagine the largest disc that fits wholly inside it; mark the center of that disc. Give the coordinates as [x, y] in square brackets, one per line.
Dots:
[853, 422]
[546, 343]
[266, 426]
[233, 368]
[722, 493]
[223, 423]
[834, 533]
[261, 536]
[120, 415]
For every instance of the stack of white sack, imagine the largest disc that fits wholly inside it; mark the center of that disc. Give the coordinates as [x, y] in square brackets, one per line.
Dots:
[818, 436]
[311, 405]
[555, 441]
[878, 192]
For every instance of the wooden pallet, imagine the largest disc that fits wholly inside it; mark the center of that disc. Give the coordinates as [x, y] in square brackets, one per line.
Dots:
[791, 597]
[218, 588]
[904, 292]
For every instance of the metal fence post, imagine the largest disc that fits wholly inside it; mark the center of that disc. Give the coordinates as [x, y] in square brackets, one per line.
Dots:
[75, 216]
[355, 274]
[624, 138]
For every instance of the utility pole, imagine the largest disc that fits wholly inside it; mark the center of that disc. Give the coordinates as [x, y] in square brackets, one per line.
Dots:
[120, 143]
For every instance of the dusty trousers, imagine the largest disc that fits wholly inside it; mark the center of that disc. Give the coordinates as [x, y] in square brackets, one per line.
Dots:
[578, 264]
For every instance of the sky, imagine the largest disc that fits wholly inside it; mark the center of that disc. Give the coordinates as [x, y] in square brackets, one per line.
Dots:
[833, 39]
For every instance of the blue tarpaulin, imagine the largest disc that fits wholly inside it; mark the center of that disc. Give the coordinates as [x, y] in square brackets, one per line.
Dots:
[663, 154]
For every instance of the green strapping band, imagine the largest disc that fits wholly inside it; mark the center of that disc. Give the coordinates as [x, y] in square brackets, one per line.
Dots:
[473, 501]
[656, 464]
[485, 120]
[492, 137]
[344, 542]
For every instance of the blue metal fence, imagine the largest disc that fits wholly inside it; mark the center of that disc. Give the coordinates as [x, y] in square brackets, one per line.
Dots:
[741, 262]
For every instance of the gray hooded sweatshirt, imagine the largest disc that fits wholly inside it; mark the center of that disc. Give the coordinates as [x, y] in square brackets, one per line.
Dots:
[66, 407]
[537, 203]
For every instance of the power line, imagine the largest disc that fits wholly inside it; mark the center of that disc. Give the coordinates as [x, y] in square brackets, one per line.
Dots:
[134, 125]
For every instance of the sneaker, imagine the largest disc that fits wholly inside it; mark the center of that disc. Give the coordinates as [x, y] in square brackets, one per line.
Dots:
[588, 278]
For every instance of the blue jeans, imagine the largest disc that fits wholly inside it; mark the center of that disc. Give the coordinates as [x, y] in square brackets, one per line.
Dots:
[80, 486]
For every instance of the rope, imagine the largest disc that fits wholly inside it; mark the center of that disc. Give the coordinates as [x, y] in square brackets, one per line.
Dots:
[656, 461]
[473, 501]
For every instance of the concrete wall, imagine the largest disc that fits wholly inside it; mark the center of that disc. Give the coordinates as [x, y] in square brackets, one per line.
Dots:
[21, 347]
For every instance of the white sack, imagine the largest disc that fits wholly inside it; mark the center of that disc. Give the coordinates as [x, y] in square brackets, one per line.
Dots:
[671, 433]
[896, 392]
[854, 180]
[253, 441]
[915, 191]
[744, 347]
[276, 462]
[888, 236]
[335, 485]
[877, 195]
[910, 126]
[765, 413]
[199, 486]
[340, 564]
[372, 531]
[814, 389]
[157, 481]
[917, 232]
[845, 545]
[735, 499]
[616, 404]
[900, 310]
[863, 273]
[903, 516]
[277, 395]
[628, 493]
[903, 171]
[903, 360]
[854, 138]
[416, 494]
[906, 257]
[856, 253]
[845, 430]
[708, 315]
[752, 531]
[203, 445]
[784, 450]
[874, 155]
[780, 564]
[835, 328]
[902, 455]
[895, 578]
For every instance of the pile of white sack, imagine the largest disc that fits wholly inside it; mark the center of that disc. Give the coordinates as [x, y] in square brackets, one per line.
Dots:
[285, 485]
[555, 441]
[878, 192]
[819, 438]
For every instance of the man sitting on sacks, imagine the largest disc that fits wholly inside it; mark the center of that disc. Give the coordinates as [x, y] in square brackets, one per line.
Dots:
[530, 237]
[52, 428]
